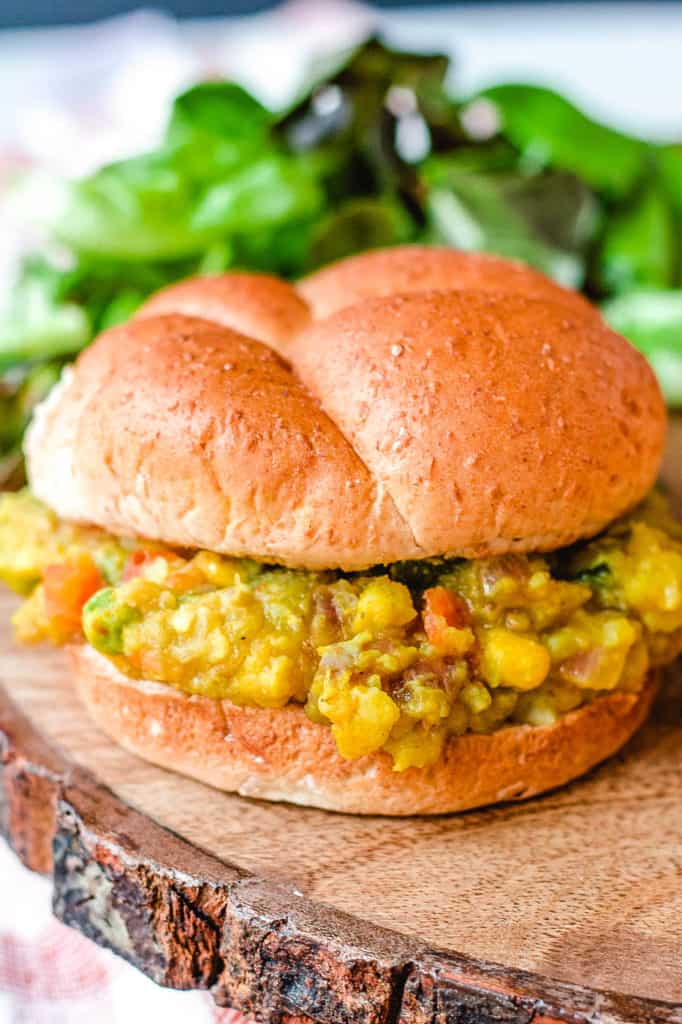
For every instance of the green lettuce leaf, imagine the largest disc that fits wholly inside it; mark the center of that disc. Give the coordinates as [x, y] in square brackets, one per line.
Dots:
[546, 221]
[639, 248]
[549, 131]
[652, 320]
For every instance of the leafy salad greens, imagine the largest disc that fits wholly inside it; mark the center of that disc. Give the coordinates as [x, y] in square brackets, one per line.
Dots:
[376, 152]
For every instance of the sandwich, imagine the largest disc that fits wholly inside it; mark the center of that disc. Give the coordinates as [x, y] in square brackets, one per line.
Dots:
[384, 542]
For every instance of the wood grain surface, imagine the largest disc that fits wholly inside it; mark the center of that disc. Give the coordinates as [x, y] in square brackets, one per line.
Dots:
[301, 915]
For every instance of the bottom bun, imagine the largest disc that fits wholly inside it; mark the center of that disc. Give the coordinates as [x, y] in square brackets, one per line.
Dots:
[282, 755]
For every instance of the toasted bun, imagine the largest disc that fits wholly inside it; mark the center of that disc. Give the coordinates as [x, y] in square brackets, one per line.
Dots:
[282, 755]
[406, 426]
[424, 268]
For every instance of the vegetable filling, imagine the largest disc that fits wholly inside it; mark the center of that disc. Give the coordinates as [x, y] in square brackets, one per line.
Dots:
[397, 658]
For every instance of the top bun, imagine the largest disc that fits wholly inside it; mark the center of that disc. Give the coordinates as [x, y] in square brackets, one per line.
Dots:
[425, 268]
[257, 305]
[413, 424]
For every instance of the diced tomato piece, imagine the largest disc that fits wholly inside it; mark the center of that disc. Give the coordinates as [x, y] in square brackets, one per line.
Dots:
[136, 562]
[67, 586]
[443, 608]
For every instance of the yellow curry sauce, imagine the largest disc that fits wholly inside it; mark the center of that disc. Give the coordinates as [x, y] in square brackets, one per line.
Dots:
[397, 658]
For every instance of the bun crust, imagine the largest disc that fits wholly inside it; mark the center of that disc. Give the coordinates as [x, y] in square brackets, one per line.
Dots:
[183, 431]
[257, 305]
[406, 426]
[496, 423]
[424, 268]
[281, 755]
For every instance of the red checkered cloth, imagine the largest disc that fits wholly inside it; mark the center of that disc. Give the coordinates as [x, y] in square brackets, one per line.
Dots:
[50, 974]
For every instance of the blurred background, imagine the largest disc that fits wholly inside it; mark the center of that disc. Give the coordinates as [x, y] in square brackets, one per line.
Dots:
[141, 145]
[48, 12]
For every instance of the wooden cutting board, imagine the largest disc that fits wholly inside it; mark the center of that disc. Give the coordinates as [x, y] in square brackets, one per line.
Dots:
[567, 907]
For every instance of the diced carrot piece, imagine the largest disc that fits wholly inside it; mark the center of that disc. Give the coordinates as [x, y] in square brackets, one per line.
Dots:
[189, 577]
[442, 609]
[67, 586]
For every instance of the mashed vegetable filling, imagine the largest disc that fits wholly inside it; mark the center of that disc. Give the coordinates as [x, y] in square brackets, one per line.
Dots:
[397, 658]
